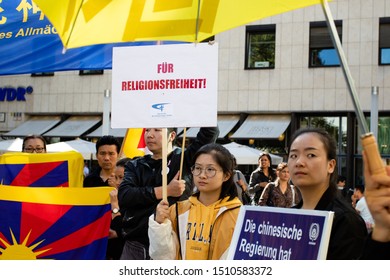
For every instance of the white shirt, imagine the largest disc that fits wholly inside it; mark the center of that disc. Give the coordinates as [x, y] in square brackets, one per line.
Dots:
[362, 208]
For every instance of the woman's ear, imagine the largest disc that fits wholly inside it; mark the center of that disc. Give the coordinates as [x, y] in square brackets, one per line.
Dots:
[331, 166]
[226, 177]
[172, 136]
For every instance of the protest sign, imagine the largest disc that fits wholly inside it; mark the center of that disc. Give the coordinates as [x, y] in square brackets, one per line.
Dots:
[273, 233]
[165, 86]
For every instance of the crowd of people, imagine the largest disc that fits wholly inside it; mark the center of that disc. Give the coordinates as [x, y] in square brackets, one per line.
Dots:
[205, 191]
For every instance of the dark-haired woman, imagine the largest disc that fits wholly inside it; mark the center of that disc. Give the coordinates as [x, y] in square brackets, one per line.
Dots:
[261, 176]
[201, 227]
[34, 144]
[312, 166]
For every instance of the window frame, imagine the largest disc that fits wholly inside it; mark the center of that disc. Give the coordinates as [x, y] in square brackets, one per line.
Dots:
[89, 72]
[259, 30]
[384, 41]
[42, 74]
[327, 42]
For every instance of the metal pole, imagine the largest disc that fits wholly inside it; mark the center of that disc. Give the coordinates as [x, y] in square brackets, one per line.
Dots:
[106, 112]
[347, 73]
[374, 111]
[369, 143]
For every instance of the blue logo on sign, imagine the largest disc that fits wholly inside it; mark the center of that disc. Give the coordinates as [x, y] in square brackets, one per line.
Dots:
[159, 106]
[314, 232]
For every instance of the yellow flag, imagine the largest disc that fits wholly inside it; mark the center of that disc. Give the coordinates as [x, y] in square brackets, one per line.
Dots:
[63, 169]
[134, 143]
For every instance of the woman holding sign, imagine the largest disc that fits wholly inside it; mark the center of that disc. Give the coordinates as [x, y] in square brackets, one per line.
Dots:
[141, 189]
[312, 165]
[201, 227]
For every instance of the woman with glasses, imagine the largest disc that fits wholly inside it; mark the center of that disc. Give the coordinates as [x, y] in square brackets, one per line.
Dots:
[34, 144]
[281, 193]
[201, 227]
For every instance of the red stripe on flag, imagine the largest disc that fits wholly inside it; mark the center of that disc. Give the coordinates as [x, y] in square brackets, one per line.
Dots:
[32, 172]
[141, 143]
[3, 240]
[40, 218]
[78, 238]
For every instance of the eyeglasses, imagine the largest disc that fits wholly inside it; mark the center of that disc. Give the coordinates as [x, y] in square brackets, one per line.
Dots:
[209, 171]
[32, 150]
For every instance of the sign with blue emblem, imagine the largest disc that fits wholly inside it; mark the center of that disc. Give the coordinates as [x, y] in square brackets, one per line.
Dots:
[272, 233]
[165, 86]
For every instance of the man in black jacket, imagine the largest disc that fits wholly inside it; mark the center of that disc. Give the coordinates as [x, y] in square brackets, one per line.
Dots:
[107, 152]
[141, 188]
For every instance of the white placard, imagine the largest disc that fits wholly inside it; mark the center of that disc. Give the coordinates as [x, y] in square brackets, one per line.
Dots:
[165, 86]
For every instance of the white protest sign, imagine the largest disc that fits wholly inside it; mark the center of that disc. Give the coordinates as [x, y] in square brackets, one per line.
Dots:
[274, 233]
[165, 86]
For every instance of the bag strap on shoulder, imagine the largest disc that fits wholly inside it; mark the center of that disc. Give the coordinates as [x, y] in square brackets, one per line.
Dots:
[177, 228]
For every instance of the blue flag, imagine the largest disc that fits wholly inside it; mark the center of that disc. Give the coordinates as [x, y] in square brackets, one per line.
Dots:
[29, 44]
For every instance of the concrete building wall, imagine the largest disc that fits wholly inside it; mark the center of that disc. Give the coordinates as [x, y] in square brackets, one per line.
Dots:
[291, 87]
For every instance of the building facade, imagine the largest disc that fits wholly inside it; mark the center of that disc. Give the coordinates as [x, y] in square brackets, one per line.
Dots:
[275, 75]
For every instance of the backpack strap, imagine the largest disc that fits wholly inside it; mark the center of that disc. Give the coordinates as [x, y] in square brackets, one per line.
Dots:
[178, 229]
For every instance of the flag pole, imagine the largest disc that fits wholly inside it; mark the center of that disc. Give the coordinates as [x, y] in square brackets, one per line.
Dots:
[182, 152]
[164, 163]
[369, 142]
[164, 158]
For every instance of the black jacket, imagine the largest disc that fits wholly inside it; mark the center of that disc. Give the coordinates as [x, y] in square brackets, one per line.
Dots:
[94, 179]
[375, 250]
[137, 199]
[258, 177]
[348, 233]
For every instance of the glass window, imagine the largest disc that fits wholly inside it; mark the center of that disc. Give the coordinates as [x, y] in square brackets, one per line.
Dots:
[335, 126]
[42, 74]
[383, 137]
[384, 41]
[321, 48]
[383, 142]
[91, 72]
[260, 47]
[359, 179]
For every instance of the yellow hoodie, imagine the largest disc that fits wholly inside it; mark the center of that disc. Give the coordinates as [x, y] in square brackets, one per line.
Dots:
[205, 232]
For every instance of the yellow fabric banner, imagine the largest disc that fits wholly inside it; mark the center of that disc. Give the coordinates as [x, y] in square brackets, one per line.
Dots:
[63, 169]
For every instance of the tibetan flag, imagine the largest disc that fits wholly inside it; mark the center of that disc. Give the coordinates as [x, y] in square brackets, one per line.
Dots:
[54, 223]
[64, 169]
[134, 143]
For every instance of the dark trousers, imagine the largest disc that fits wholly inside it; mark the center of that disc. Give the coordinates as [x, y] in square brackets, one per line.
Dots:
[134, 250]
